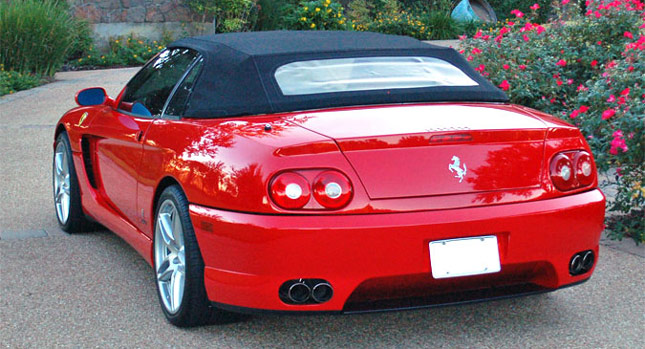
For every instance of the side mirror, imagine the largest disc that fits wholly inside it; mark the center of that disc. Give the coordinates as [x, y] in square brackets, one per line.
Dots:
[91, 96]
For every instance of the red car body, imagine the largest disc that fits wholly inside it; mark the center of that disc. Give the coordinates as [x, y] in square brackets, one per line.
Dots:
[419, 173]
[376, 248]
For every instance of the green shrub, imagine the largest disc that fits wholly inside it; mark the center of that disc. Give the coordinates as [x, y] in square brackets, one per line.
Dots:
[11, 81]
[272, 13]
[589, 71]
[35, 36]
[123, 51]
[230, 15]
[424, 21]
[503, 8]
[318, 15]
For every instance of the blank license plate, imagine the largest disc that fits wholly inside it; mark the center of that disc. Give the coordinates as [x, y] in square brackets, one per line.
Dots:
[463, 257]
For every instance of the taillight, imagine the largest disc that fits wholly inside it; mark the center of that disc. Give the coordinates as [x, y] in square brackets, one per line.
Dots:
[572, 170]
[332, 189]
[583, 166]
[293, 189]
[290, 190]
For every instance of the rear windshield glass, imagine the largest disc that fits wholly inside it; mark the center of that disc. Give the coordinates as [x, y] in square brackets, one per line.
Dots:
[367, 73]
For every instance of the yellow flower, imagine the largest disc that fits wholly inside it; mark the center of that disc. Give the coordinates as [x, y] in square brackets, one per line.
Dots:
[304, 19]
[342, 21]
[306, 8]
[328, 10]
[116, 41]
[135, 56]
[140, 42]
[313, 25]
[88, 56]
[317, 9]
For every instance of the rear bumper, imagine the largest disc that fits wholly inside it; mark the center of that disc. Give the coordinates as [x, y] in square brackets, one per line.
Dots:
[382, 261]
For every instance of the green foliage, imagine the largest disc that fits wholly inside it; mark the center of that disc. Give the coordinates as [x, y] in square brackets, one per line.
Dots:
[590, 71]
[272, 13]
[317, 15]
[35, 36]
[11, 81]
[503, 8]
[230, 15]
[123, 51]
[423, 21]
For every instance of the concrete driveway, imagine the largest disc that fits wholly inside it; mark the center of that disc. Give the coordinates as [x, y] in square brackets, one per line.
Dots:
[93, 290]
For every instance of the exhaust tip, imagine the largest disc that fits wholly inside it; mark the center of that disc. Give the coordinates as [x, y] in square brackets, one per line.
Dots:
[322, 292]
[299, 292]
[587, 260]
[575, 266]
[581, 262]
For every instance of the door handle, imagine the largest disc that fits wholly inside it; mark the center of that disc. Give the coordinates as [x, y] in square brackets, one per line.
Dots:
[139, 136]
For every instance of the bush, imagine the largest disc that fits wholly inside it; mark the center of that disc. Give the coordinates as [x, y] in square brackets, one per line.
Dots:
[503, 8]
[11, 81]
[272, 13]
[588, 71]
[35, 36]
[123, 51]
[424, 21]
[317, 15]
[230, 15]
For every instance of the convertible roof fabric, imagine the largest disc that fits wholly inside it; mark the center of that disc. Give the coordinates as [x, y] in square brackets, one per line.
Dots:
[237, 77]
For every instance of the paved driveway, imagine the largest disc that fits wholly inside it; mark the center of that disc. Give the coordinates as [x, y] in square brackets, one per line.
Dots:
[92, 289]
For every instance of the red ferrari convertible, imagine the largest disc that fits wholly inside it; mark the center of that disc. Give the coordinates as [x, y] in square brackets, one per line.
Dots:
[327, 172]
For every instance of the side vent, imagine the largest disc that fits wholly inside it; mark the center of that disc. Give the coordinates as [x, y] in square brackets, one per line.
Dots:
[87, 161]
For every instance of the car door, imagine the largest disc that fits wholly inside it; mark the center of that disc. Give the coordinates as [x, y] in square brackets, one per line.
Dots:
[119, 133]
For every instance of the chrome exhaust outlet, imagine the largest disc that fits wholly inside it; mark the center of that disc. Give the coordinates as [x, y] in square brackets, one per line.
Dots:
[587, 260]
[575, 266]
[322, 292]
[299, 292]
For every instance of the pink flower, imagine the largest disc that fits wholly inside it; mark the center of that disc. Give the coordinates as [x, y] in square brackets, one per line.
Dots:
[463, 37]
[611, 99]
[574, 114]
[535, 7]
[504, 85]
[608, 114]
[621, 100]
[469, 58]
[540, 29]
[506, 67]
[618, 143]
[630, 68]
[478, 35]
[504, 30]
[526, 38]
[480, 68]
[522, 67]
[561, 63]
[476, 51]
[625, 92]
[510, 23]
[597, 14]
[517, 13]
[594, 63]
[564, 2]
[485, 37]
[584, 108]
[558, 82]
[628, 35]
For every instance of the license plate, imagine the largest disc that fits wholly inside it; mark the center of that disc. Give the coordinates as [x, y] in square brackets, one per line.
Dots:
[463, 257]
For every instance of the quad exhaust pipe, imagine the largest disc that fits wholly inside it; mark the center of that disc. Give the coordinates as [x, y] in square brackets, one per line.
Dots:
[306, 291]
[581, 262]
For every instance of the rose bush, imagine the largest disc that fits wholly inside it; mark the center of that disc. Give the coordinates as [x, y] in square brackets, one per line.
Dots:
[588, 70]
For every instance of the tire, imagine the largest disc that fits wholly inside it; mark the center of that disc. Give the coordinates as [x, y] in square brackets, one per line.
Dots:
[180, 277]
[67, 195]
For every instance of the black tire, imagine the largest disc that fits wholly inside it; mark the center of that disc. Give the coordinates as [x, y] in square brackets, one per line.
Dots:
[76, 220]
[195, 308]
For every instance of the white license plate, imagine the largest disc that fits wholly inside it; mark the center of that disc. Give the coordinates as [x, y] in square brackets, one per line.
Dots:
[463, 257]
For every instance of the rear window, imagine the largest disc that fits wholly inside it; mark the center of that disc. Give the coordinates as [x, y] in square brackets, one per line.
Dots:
[367, 73]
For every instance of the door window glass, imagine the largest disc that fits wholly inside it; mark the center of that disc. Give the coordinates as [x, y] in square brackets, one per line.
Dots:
[147, 92]
[179, 100]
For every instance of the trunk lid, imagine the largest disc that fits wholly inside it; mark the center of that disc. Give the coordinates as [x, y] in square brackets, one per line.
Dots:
[440, 149]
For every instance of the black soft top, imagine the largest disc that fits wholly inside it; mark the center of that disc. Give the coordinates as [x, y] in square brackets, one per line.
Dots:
[237, 77]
